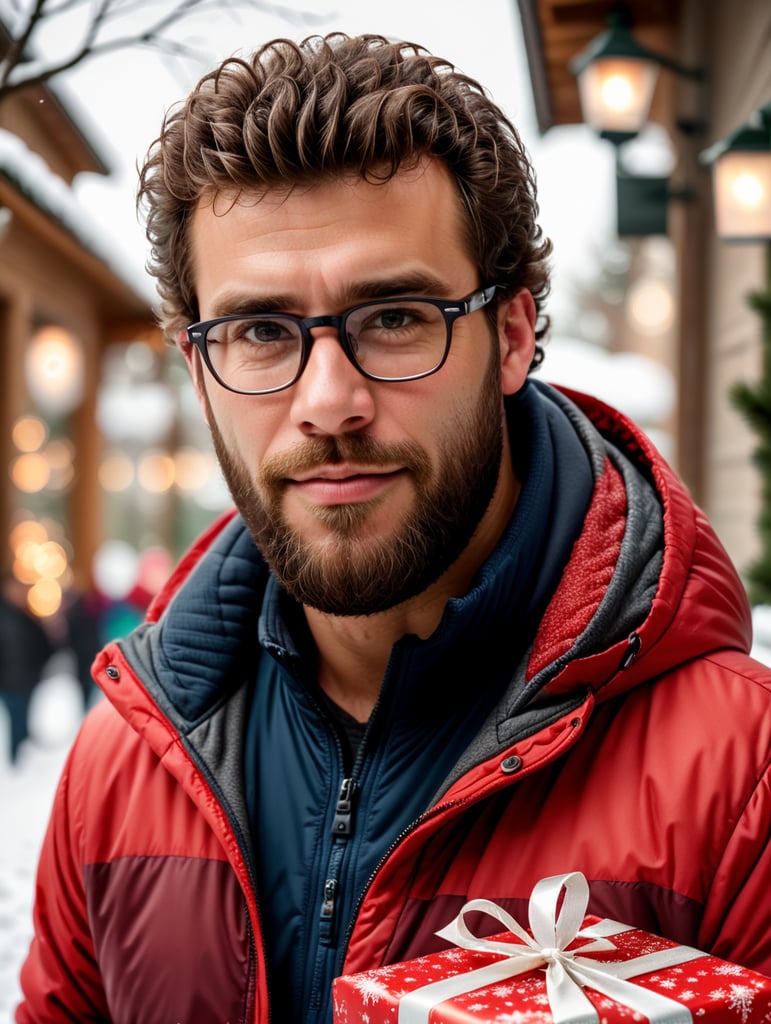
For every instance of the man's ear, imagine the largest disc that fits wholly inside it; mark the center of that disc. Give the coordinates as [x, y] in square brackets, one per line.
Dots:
[193, 360]
[516, 334]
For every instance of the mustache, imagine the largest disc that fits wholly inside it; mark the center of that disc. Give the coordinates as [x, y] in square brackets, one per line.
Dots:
[316, 452]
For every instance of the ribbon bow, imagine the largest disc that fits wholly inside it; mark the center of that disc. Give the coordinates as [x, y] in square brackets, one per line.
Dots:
[567, 971]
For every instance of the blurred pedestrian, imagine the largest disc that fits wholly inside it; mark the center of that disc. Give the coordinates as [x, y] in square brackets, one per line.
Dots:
[83, 615]
[25, 648]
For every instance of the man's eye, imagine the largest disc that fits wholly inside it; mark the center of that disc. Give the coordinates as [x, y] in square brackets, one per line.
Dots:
[265, 331]
[392, 319]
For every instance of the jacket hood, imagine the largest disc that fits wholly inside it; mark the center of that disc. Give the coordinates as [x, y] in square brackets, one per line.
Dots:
[698, 603]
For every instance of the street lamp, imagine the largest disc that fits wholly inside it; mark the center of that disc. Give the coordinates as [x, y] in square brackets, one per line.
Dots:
[741, 169]
[617, 77]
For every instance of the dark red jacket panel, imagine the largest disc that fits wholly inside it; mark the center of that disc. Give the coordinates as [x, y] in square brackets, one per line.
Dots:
[135, 869]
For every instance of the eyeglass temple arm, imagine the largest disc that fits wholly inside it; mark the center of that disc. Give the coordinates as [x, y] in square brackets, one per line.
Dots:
[481, 298]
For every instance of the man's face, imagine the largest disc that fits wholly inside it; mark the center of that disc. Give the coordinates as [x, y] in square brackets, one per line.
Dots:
[360, 494]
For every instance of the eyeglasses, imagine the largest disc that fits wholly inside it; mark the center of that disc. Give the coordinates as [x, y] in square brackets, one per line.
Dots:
[396, 339]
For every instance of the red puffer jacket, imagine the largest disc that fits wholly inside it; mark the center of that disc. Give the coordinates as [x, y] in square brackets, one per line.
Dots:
[645, 766]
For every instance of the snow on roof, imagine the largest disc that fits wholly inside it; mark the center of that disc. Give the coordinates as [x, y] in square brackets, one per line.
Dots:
[32, 176]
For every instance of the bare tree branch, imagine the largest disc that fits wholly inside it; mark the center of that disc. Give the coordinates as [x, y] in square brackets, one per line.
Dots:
[18, 46]
[21, 68]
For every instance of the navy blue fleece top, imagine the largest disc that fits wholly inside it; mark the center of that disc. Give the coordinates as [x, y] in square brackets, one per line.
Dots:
[322, 819]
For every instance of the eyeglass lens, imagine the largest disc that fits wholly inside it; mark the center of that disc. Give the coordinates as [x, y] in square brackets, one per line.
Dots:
[388, 340]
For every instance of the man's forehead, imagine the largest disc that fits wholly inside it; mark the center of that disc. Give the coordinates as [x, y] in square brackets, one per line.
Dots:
[424, 169]
[338, 242]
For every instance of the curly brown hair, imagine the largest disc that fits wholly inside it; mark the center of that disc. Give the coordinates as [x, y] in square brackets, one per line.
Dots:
[294, 114]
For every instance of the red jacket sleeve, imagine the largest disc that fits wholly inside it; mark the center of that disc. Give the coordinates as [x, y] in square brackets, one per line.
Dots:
[741, 933]
[60, 979]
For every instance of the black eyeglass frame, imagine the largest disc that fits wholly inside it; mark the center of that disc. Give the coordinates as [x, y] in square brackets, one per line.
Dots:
[451, 310]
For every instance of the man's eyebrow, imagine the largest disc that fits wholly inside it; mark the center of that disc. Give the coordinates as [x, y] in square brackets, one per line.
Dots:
[410, 283]
[241, 304]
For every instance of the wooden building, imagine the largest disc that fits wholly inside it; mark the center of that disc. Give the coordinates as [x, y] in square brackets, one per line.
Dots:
[59, 281]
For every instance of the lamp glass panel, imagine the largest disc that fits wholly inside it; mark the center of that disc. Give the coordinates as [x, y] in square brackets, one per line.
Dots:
[743, 195]
[616, 93]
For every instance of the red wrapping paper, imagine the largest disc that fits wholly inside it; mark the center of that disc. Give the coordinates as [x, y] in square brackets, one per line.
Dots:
[709, 988]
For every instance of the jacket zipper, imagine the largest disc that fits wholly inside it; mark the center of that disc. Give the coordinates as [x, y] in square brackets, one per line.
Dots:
[342, 829]
[426, 816]
[341, 832]
[432, 812]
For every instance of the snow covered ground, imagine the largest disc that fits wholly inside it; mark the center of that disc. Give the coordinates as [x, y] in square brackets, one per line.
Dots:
[26, 793]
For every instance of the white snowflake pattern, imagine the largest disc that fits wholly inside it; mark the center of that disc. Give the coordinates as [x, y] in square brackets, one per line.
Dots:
[719, 994]
[686, 995]
[730, 969]
[503, 990]
[371, 990]
[382, 973]
[668, 983]
[741, 999]
[455, 956]
[520, 1017]
[650, 946]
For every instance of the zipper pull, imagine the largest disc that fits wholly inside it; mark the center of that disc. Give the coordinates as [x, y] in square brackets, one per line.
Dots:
[327, 922]
[343, 823]
[328, 903]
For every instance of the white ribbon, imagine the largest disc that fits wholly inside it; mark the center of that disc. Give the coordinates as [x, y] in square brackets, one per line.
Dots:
[567, 971]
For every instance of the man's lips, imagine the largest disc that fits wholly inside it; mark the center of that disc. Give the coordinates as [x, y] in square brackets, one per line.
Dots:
[339, 485]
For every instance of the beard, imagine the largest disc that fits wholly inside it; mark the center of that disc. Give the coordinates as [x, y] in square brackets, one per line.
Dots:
[353, 572]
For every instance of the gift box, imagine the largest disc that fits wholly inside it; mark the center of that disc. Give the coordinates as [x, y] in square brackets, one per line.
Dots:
[567, 969]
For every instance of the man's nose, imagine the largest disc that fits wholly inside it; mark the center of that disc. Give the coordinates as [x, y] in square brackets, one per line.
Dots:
[331, 396]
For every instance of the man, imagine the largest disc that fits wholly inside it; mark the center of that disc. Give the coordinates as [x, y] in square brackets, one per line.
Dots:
[464, 632]
[26, 649]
